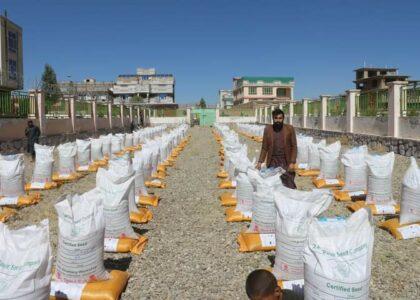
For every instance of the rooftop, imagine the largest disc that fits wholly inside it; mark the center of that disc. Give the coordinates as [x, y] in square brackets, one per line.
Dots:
[376, 69]
[266, 79]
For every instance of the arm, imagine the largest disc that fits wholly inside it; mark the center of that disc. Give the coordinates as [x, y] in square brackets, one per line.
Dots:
[37, 133]
[264, 147]
[26, 132]
[293, 146]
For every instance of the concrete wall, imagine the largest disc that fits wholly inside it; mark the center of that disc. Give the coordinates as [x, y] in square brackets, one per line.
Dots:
[102, 123]
[167, 120]
[58, 126]
[235, 120]
[116, 122]
[313, 122]
[13, 129]
[410, 127]
[371, 125]
[335, 123]
[298, 121]
[84, 125]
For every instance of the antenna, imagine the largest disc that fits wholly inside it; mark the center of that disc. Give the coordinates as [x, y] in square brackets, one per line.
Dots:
[364, 64]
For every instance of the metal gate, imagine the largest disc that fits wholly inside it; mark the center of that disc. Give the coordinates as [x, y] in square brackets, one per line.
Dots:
[204, 116]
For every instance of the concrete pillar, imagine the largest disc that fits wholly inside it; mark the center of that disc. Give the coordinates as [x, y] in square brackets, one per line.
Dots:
[291, 112]
[281, 106]
[256, 114]
[131, 113]
[188, 115]
[292, 94]
[273, 107]
[138, 115]
[351, 108]
[73, 114]
[122, 115]
[394, 107]
[217, 115]
[323, 112]
[266, 115]
[94, 116]
[305, 112]
[40, 98]
[110, 114]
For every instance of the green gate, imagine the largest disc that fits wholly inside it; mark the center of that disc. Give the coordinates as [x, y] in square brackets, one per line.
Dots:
[205, 116]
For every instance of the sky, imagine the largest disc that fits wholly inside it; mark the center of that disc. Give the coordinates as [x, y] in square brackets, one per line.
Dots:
[205, 43]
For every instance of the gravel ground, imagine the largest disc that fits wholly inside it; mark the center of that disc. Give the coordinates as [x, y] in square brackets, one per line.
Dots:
[192, 252]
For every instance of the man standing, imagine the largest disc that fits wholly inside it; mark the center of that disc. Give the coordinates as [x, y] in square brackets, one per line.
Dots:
[32, 133]
[279, 148]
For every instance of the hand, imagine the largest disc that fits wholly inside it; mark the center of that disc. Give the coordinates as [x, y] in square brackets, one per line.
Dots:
[258, 166]
[291, 167]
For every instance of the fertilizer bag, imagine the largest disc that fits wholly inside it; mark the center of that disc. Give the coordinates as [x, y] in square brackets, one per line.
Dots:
[410, 197]
[314, 161]
[106, 144]
[25, 268]
[66, 158]
[329, 160]
[43, 164]
[337, 257]
[295, 210]
[355, 169]
[12, 180]
[379, 185]
[83, 152]
[303, 143]
[81, 238]
[96, 149]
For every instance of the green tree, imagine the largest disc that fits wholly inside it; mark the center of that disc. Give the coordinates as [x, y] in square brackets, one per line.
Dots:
[49, 83]
[202, 103]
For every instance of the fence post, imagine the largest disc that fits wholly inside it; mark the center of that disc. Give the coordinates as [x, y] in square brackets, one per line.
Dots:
[323, 112]
[265, 114]
[394, 107]
[130, 109]
[351, 108]
[94, 116]
[217, 115]
[291, 113]
[73, 114]
[40, 99]
[110, 114]
[256, 114]
[122, 114]
[138, 114]
[188, 115]
[305, 113]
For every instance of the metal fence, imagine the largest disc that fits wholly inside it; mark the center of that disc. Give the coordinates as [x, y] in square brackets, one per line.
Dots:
[171, 112]
[236, 112]
[115, 111]
[56, 107]
[410, 101]
[298, 109]
[372, 103]
[83, 109]
[126, 111]
[336, 106]
[314, 108]
[102, 110]
[17, 104]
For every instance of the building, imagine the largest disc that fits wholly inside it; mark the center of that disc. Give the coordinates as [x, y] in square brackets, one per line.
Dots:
[265, 90]
[376, 78]
[225, 99]
[11, 56]
[88, 89]
[146, 86]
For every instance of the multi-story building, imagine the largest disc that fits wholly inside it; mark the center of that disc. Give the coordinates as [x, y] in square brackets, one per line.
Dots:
[146, 87]
[266, 90]
[88, 89]
[376, 78]
[11, 56]
[225, 98]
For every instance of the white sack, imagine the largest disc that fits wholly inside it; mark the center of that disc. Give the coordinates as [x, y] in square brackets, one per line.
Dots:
[116, 144]
[25, 268]
[410, 195]
[116, 211]
[314, 161]
[338, 256]
[295, 210]
[12, 179]
[83, 152]
[128, 140]
[329, 160]
[96, 149]
[379, 185]
[303, 143]
[139, 186]
[106, 144]
[44, 162]
[81, 237]
[355, 169]
[66, 158]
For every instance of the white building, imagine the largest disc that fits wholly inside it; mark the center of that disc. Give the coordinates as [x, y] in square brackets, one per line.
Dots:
[225, 98]
[146, 86]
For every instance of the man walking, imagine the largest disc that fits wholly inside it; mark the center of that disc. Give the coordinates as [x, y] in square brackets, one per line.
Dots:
[32, 133]
[279, 148]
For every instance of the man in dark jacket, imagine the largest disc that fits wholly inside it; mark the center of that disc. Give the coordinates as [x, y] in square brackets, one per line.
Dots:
[279, 148]
[32, 133]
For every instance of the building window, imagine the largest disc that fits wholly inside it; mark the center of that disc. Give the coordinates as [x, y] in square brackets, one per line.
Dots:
[267, 91]
[281, 92]
[374, 83]
[252, 90]
[12, 41]
[12, 69]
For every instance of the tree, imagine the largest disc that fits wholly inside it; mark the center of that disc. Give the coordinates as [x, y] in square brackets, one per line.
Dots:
[202, 103]
[49, 82]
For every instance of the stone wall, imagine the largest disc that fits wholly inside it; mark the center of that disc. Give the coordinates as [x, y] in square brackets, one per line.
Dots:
[406, 147]
[371, 125]
[313, 122]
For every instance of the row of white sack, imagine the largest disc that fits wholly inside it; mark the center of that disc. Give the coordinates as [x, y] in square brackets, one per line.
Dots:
[154, 151]
[88, 224]
[251, 129]
[306, 246]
